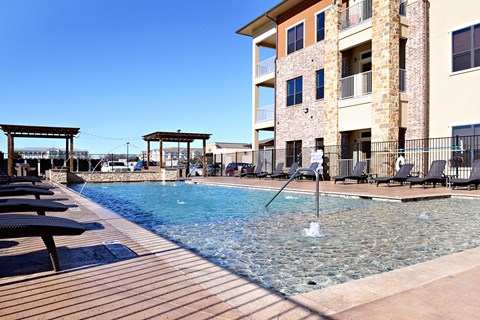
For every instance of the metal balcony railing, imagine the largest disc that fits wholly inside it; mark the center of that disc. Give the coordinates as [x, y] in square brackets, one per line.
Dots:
[403, 8]
[265, 67]
[402, 83]
[357, 85]
[356, 14]
[264, 114]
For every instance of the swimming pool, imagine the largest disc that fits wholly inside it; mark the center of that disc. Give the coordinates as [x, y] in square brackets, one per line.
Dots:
[357, 238]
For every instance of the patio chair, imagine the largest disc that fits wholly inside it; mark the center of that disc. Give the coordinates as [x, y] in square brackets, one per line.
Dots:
[28, 205]
[278, 170]
[473, 179]
[6, 179]
[309, 174]
[289, 174]
[435, 175]
[401, 175]
[357, 174]
[25, 225]
[245, 171]
[258, 169]
[13, 190]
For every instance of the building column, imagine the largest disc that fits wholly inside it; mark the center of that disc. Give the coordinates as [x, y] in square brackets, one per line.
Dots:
[333, 67]
[385, 70]
[385, 80]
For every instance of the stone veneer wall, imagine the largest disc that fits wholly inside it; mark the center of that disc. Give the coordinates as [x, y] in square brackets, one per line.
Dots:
[417, 80]
[385, 70]
[96, 177]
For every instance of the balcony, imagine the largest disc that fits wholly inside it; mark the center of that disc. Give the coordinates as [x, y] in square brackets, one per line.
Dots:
[265, 67]
[264, 114]
[357, 85]
[356, 14]
[360, 85]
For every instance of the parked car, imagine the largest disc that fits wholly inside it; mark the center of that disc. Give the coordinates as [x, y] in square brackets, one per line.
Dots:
[114, 166]
[142, 164]
[197, 169]
[233, 167]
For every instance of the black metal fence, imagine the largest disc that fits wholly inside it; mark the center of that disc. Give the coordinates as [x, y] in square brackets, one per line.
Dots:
[383, 158]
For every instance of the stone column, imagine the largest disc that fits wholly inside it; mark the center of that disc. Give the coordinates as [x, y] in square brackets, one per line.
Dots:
[385, 70]
[333, 67]
[385, 78]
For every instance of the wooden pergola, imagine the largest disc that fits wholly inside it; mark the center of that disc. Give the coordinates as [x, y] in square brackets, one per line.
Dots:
[19, 131]
[177, 137]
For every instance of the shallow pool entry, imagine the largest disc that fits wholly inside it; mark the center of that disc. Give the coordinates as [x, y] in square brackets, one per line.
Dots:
[285, 247]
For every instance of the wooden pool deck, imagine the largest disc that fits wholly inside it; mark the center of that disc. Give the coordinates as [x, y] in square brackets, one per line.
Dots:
[150, 277]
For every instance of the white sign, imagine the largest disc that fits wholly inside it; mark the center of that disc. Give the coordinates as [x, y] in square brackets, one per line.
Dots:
[317, 157]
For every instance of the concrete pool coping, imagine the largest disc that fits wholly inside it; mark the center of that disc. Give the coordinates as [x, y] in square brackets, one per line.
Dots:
[446, 287]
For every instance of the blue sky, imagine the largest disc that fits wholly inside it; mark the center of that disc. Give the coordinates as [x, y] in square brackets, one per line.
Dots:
[120, 69]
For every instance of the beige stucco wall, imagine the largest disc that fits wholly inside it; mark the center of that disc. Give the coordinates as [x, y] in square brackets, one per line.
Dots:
[454, 97]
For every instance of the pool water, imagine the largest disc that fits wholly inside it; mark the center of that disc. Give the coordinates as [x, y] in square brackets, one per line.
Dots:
[355, 238]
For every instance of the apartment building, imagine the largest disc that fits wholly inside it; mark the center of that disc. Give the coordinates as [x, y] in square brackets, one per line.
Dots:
[347, 72]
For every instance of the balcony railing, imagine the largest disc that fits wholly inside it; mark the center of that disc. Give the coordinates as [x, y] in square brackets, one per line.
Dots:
[360, 84]
[264, 114]
[403, 8]
[402, 85]
[356, 14]
[265, 67]
[357, 85]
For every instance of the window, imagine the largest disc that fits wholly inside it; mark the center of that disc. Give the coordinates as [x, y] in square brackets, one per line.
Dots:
[295, 38]
[466, 130]
[294, 153]
[320, 83]
[466, 48]
[320, 26]
[294, 91]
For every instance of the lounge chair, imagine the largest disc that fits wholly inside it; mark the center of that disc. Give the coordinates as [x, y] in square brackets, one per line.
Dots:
[435, 175]
[258, 169]
[278, 170]
[25, 225]
[27, 205]
[245, 171]
[309, 174]
[13, 190]
[289, 174]
[473, 179]
[6, 179]
[401, 175]
[357, 173]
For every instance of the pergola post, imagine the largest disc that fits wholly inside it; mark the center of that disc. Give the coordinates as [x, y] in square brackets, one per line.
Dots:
[71, 154]
[148, 153]
[204, 156]
[188, 159]
[161, 154]
[67, 152]
[10, 154]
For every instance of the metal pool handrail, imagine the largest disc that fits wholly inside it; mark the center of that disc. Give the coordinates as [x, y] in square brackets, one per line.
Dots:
[317, 193]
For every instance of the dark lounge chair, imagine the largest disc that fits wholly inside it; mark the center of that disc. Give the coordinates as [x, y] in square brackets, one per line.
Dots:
[435, 175]
[401, 175]
[309, 174]
[13, 190]
[473, 179]
[27, 205]
[289, 174]
[258, 169]
[277, 171]
[25, 225]
[357, 173]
